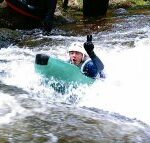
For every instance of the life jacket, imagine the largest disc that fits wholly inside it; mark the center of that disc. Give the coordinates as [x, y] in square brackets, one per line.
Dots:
[88, 68]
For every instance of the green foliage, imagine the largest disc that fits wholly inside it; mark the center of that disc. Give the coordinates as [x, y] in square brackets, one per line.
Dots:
[139, 2]
[129, 3]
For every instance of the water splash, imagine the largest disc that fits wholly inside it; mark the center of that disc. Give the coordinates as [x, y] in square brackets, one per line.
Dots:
[126, 88]
[9, 109]
[125, 53]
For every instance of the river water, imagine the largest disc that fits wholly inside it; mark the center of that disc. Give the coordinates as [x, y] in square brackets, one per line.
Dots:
[123, 47]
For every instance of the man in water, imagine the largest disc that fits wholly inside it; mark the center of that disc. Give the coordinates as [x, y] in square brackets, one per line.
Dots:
[85, 58]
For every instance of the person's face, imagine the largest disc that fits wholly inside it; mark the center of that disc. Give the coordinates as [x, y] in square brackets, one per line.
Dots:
[75, 57]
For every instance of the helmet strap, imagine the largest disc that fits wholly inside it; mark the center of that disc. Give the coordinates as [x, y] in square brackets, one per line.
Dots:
[83, 57]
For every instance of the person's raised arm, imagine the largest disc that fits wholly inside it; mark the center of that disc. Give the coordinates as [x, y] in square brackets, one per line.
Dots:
[89, 48]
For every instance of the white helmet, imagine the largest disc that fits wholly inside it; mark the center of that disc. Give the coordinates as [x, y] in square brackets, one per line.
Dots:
[77, 46]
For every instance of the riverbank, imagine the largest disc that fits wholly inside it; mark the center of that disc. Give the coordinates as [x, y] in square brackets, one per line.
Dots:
[12, 20]
[67, 22]
[128, 3]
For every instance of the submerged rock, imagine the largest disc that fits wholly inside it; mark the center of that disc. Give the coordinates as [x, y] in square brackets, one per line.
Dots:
[121, 11]
[8, 37]
[65, 124]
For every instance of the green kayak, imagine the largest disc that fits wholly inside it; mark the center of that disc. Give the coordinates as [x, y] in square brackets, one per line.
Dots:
[60, 70]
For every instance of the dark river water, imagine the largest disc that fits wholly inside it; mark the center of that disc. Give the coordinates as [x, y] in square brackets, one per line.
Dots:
[123, 44]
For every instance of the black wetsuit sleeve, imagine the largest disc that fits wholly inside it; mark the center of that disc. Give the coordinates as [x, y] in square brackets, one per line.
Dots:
[97, 62]
[94, 67]
[89, 48]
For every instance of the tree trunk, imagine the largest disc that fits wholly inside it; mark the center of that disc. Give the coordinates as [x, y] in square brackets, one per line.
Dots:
[65, 4]
[95, 8]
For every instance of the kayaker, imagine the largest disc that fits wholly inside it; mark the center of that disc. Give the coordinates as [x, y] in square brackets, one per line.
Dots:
[84, 57]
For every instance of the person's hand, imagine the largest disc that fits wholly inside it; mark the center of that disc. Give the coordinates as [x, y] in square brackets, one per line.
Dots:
[88, 46]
